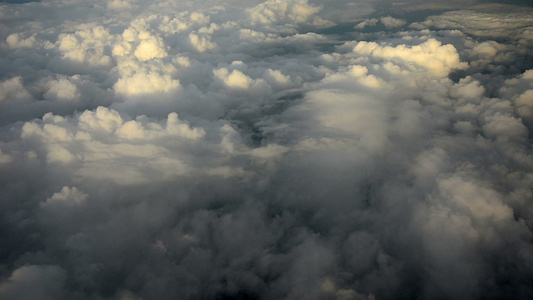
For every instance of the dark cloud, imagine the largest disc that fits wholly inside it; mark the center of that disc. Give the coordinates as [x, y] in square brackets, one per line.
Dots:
[18, 1]
[267, 150]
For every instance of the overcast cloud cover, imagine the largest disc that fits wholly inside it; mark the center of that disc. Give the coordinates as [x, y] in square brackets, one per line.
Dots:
[279, 149]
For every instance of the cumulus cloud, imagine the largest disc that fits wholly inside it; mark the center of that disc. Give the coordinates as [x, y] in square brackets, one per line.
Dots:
[201, 43]
[140, 82]
[62, 89]
[293, 12]
[391, 22]
[431, 55]
[16, 40]
[236, 79]
[367, 23]
[120, 5]
[265, 150]
[13, 89]
[86, 46]
[149, 48]
[388, 22]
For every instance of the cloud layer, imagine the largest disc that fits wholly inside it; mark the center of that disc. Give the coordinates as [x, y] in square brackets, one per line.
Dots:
[265, 150]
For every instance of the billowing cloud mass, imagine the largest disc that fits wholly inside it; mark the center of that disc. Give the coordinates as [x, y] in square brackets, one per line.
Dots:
[279, 149]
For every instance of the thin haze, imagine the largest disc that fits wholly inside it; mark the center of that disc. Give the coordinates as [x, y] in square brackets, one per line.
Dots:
[279, 149]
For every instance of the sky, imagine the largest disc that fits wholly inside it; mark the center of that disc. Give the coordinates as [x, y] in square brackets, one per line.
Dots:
[278, 149]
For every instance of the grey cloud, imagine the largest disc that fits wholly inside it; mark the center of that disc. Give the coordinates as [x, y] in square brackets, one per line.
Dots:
[34, 282]
[266, 150]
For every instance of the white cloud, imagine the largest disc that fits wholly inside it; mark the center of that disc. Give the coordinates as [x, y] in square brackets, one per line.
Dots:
[122, 4]
[141, 83]
[17, 40]
[86, 46]
[184, 22]
[367, 23]
[201, 43]
[431, 55]
[13, 89]
[67, 196]
[62, 89]
[488, 49]
[524, 104]
[102, 139]
[297, 12]
[275, 77]
[234, 79]
[101, 120]
[520, 90]
[138, 79]
[150, 47]
[468, 88]
[391, 22]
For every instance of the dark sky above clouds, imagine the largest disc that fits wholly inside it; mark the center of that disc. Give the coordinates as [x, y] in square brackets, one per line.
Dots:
[279, 149]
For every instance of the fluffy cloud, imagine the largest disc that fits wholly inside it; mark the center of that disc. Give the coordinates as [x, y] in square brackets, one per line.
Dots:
[97, 138]
[391, 22]
[388, 22]
[201, 43]
[236, 79]
[87, 46]
[140, 83]
[367, 23]
[267, 150]
[62, 90]
[148, 48]
[137, 78]
[16, 40]
[13, 89]
[293, 12]
[122, 4]
[439, 59]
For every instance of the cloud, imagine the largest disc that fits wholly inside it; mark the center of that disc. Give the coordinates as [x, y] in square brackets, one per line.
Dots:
[149, 48]
[34, 282]
[122, 4]
[140, 83]
[294, 12]
[367, 23]
[16, 40]
[439, 59]
[391, 22]
[201, 43]
[388, 22]
[13, 89]
[102, 136]
[236, 79]
[266, 150]
[496, 21]
[86, 46]
[62, 90]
